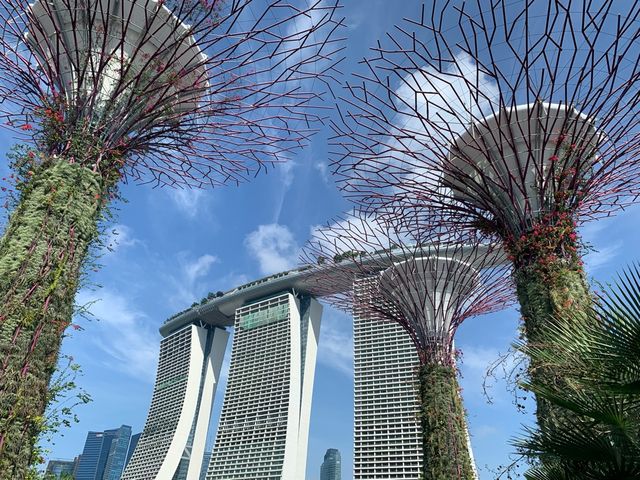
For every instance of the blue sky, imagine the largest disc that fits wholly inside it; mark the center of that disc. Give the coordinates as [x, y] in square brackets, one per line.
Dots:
[174, 246]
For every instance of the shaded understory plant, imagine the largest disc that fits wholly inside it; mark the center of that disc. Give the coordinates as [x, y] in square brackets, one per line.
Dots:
[599, 359]
[178, 93]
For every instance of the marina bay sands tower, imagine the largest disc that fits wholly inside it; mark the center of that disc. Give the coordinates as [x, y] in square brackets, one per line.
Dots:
[264, 426]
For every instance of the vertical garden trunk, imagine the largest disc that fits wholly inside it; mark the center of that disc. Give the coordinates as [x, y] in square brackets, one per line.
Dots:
[446, 454]
[41, 256]
[550, 284]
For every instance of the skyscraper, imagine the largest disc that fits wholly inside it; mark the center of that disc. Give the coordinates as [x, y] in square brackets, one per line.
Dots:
[264, 425]
[132, 446]
[103, 457]
[387, 435]
[117, 454]
[331, 468]
[178, 419]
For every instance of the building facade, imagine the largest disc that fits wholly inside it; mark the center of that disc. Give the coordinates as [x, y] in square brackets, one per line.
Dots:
[132, 446]
[331, 468]
[387, 435]
[103, 454]
[264, 424]
[117, 454]
[176, 427]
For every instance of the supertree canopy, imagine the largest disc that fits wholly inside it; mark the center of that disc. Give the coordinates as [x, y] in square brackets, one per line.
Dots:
[514, 120]
[172, 92]
[429, 289]
[184, 92]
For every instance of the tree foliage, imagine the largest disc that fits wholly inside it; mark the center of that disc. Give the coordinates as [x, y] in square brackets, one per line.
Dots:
[597, 356]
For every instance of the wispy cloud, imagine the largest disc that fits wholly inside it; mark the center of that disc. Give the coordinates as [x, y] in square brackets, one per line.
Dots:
[187, 200]
[475, 365]
[127, 336]
[189, 280]
[286, 175]
[323, 170]
[335, 348]
[274, 247]
[601, 257]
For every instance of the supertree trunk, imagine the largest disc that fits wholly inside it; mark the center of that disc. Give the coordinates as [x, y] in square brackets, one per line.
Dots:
[41, 257]
[446, 452]
[173, 92]
[500, 118]
[551, 287]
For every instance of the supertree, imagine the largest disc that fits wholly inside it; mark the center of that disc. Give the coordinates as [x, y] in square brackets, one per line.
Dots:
[514, 120]
[172, 92]
[429, 288]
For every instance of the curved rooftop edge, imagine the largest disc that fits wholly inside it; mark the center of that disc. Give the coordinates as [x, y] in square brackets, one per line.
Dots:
[219, 310]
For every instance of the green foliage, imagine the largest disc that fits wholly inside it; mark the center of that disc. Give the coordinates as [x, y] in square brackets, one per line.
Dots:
[339, 257]
[445, 439]
[598, 437]
[42, 253]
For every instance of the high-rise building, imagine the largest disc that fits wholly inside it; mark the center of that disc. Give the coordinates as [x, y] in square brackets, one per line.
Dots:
[387, 435]
[57, 468]
[102, 457]
[331, 468]
[263, 429]
[178, 419]
[117, 454]
[132, 446]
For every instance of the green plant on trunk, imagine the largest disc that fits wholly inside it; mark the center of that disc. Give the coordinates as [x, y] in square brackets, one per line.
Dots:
[42, 253]
[64, 396]
[180, 99]
[598, 437]
[445, 445]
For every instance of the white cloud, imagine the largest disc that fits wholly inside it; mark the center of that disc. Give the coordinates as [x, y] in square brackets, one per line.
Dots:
[335, 347]
[198, 268]
[190, 281]
[323, 169]
[475, 365]
[187, 200]
[285, 172]
[601, 257]
[125, 334]
[274, 247]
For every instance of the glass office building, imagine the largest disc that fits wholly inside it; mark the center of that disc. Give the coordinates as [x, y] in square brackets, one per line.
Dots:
[331, 468]
[104, 454]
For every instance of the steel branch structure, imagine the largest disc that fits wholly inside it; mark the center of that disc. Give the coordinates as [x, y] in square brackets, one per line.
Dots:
[491, 115]
[186, 92]
[428, 288]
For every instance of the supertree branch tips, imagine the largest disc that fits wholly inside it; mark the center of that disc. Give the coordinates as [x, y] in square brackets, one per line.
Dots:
[513, 120]
[188, 93]
[429, 288]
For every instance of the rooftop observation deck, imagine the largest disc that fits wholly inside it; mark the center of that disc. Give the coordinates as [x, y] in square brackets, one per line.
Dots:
[220, 309]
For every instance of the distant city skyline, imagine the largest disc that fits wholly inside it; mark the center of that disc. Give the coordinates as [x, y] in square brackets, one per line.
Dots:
[104, 456]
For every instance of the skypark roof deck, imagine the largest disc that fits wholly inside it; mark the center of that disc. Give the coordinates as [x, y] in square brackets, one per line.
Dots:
[219, 310]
